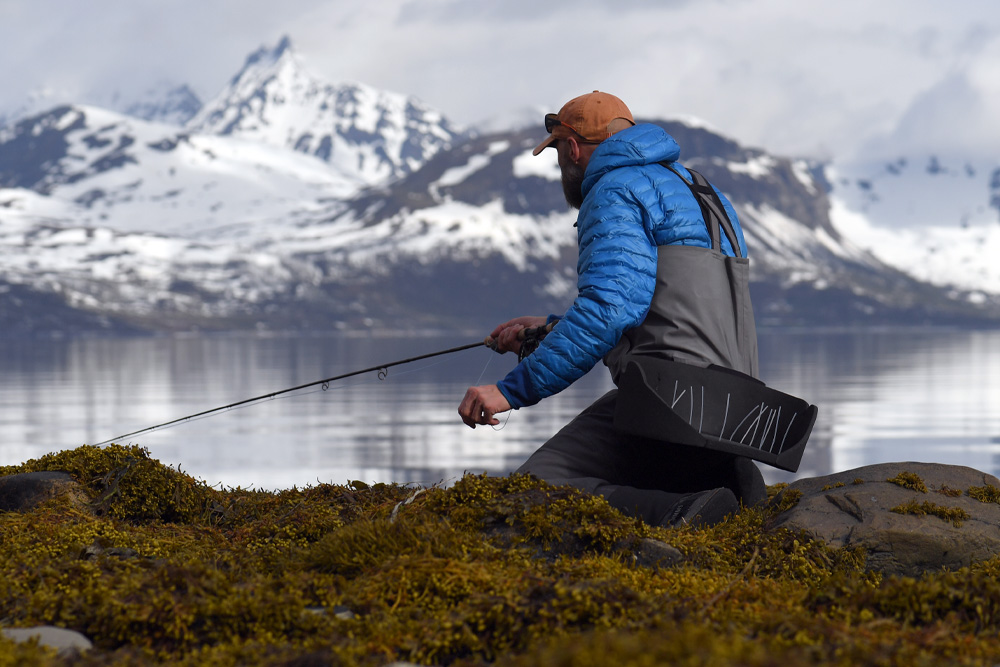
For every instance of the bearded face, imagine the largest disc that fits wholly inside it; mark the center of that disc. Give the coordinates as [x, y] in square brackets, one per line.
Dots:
[572, 178]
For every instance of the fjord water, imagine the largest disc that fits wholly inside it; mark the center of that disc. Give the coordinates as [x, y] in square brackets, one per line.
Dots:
[893, 395]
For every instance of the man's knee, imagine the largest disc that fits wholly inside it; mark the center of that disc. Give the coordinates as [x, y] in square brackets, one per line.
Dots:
[748, 482]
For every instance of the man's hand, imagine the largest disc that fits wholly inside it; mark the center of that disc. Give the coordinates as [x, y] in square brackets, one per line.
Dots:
[505, 335]
[481, 403]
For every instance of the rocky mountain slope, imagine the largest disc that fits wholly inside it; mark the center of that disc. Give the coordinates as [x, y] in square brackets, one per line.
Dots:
[288, 202]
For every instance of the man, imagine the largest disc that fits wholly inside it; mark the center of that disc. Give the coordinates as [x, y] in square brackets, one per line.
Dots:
[645, 257]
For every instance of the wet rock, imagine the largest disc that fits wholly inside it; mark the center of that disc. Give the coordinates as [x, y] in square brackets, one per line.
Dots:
[343, 613]
[65, 641]
[340, 611]
[656, 554]
[96, 550]
[908, 517]
[24, 491]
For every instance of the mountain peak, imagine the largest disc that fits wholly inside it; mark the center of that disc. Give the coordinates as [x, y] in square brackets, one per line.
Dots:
[265, 57]
[275, 99]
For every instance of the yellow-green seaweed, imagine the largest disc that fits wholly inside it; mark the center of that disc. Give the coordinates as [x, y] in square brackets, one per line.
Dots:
[909, 480]
[985, 494]
[156, 568]
[956, 515]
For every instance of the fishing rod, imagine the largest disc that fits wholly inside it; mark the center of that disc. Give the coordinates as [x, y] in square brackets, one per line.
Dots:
[381, 368]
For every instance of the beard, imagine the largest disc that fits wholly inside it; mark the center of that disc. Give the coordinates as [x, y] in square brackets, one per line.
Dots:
[572, 183]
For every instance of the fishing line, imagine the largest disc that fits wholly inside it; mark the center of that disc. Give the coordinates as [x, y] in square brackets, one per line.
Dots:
[479, 382]
[381, 369]
[500, 427]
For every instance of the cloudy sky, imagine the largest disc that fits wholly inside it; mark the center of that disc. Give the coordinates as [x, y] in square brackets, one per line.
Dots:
[821, 78]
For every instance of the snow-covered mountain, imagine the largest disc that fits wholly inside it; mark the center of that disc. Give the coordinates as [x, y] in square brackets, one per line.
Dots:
[489, 204]
[938, 218]
[162, 102]
[374, 134]
[288, 202]
[39, 100]
[130, 175]
[165, 103]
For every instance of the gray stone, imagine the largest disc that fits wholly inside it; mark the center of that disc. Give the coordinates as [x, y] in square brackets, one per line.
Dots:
[338, 611]
[57, 638]
[342, 612]
[97, 550]
[854, 509]
[656, 554]
[27, 490]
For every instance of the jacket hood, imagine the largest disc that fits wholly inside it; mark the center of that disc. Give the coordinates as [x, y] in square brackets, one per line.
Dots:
[639, 145]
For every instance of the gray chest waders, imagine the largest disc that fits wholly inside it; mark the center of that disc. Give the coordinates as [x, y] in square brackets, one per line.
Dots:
[687, 374]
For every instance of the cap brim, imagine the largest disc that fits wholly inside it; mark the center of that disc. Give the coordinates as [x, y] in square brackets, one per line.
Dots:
[549, 140]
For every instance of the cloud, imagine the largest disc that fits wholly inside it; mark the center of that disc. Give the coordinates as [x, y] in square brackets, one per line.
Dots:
[804, 78]
[523, 11]
[955, 118]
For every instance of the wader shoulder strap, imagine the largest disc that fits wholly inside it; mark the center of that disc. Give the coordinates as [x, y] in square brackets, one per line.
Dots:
[712, 210]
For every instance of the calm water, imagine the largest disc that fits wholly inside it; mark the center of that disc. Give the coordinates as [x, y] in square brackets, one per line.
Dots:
[903, 395]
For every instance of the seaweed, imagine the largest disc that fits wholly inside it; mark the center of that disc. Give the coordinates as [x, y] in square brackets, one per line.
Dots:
[909, 480]
[985, 494]
[956, 515]
[157, 568]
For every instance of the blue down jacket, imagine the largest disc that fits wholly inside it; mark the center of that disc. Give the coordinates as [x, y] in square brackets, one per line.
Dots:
[631, 205]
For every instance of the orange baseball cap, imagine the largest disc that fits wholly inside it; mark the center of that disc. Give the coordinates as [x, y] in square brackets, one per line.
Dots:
[593, 117]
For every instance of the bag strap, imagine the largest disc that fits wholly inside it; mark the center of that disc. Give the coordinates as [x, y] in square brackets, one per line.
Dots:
[712, 209]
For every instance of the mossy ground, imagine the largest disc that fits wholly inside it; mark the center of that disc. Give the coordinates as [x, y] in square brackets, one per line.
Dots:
[158, 568]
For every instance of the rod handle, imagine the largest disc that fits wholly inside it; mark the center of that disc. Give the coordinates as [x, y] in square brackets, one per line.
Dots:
[523, 334]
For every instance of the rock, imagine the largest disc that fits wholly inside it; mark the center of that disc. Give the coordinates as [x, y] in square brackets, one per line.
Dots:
[58, 638]
[343, 613]
[656, 554]
[24, 491]
[96, 550]
[338, 611]
[904, 529]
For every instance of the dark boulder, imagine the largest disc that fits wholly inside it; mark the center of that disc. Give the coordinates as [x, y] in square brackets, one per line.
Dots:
[27, 490]
[908, 517]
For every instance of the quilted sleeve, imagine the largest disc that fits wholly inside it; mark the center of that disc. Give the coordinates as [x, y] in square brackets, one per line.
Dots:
[616, 277]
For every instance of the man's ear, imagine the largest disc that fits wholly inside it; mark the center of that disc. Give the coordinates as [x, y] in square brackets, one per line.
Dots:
[574, 149]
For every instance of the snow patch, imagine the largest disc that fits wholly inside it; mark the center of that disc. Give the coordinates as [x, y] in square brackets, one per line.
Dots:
[544, 165]
[457, 175]
[952, 256]
[757, 167]
[801, 170]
